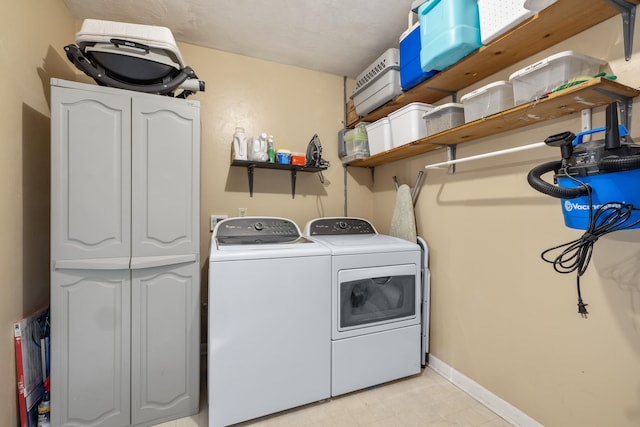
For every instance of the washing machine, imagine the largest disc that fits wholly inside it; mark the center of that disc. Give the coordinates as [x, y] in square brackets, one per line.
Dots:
[375, 303]
[269, 303]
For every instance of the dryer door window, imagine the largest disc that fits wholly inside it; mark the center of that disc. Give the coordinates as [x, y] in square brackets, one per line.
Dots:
[377, 298]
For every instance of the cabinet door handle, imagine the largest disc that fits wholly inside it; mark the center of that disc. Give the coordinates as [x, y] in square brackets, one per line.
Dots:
[159, 261]
[121, 263]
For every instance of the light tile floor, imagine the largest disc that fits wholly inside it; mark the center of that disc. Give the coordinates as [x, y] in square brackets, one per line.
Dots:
[426, 399]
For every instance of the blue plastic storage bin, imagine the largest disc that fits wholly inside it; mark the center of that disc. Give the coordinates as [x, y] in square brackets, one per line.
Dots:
[411, 73]
[449, 31]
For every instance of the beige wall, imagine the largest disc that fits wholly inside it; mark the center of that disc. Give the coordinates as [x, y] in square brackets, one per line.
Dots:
[500, 315]
[32, 35]
[290, 103]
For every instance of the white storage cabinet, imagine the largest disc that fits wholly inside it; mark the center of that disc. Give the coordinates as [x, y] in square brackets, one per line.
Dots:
[125, 276]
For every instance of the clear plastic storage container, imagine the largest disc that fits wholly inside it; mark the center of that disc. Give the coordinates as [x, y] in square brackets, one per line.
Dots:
[542, 77]
[487, 100]
[444, 117]
[356, 143]
[407, 124]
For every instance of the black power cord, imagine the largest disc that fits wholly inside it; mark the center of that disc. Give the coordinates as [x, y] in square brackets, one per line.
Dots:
[576, 254]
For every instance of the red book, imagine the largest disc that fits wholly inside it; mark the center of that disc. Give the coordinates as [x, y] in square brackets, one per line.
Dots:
[27, 334]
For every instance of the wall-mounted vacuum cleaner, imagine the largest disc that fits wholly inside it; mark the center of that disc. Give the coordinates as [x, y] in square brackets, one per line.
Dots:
[599, 185]
[593, 174]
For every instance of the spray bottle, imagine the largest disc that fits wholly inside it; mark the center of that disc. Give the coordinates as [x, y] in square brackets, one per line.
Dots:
[44, 407]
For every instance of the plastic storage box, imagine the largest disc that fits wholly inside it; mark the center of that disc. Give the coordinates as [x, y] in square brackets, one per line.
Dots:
[411, 73]
[499, 16]
[356, 143]
[542, 77]
[407, 124]
[379, 83]
[449, 31]
[487, 100]
[444, 117]
[379, 134]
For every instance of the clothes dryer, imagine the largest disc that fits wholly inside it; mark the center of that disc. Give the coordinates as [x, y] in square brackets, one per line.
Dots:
[269, 319]
[375, 303]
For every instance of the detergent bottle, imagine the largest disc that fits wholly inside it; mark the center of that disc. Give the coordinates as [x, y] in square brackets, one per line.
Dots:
[270, 151]
[239, 145]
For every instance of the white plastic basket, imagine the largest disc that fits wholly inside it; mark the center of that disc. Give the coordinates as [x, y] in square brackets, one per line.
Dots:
[379, 83]
[379, 134]
[499, 16]
[407, 124]
[390, 59]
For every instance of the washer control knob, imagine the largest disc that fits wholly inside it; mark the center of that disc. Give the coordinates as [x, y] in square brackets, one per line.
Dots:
[342, 225]
[258, 226]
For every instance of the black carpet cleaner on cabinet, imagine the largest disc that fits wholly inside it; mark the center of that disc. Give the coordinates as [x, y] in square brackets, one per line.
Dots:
[598, 183]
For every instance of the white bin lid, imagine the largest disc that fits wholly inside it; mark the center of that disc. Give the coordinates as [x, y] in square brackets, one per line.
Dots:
[419, 106]
[484, 89]
[555, 58]
[380, 122]
[443, 107]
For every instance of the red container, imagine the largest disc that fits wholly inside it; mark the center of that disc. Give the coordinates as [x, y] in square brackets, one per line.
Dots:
[298, 159]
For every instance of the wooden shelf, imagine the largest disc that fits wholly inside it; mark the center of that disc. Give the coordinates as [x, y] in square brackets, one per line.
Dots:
[294, 169]
[552, 25]
[590, 94]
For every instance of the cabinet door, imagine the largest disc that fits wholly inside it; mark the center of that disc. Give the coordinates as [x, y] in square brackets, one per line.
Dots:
[165, 336]
[90, 174]
[166, 176]
[90, 324]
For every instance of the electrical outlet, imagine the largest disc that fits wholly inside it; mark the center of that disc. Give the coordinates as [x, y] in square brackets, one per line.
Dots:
[216, 218]
[242, 211]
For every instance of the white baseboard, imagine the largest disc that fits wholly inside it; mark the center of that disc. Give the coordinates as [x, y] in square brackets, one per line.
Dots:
[481, 394]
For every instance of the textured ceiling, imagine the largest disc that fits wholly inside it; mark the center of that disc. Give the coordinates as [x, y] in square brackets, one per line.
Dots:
[334, 36]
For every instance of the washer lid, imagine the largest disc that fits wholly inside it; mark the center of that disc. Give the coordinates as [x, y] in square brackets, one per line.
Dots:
[365, 244]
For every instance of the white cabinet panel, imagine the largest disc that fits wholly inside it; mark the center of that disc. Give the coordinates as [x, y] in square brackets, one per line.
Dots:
[90, 321]
[125, 188]
[166, 177]
[165, 342]
[90, 174]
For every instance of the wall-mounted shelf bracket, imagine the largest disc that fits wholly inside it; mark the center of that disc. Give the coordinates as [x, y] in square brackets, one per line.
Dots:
[251, 166]
[628, 13]
[451, 156]
[625, 103]
[452, 93]
[250, 170]
[293, 183]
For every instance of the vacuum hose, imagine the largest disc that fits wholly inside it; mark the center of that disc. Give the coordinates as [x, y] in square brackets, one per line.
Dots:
[615, 163]
[534, 178]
